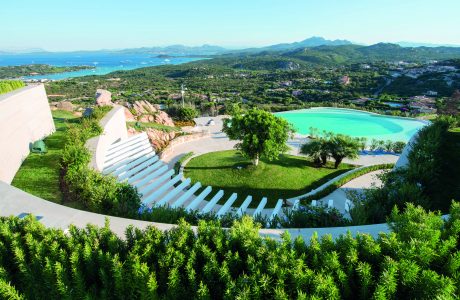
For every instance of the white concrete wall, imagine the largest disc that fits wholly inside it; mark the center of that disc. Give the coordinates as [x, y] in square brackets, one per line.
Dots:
[25, 117]
[114, 125]
[403, 160]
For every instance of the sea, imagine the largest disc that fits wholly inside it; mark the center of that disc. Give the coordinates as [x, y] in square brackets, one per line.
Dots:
[104, 62]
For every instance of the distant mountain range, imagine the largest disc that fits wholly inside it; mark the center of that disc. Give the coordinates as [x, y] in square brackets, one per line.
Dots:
[307, 43]
[313, 49]
[415, 44]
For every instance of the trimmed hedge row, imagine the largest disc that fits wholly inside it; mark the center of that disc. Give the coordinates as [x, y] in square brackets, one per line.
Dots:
[420, 259]
[332, 187]
[178, 163]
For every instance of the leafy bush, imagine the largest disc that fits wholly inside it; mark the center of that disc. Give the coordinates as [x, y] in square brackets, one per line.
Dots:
[94, 191]
[398, 146]
[419, 260]
[312, 216]
[185, 114]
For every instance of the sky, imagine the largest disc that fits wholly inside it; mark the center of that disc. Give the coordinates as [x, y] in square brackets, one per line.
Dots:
[64, 25]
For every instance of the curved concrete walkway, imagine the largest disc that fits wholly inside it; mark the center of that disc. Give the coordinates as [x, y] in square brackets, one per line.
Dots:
[14, 202]
[339, 196]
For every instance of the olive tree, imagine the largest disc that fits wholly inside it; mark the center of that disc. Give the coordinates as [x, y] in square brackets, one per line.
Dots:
[261, 134]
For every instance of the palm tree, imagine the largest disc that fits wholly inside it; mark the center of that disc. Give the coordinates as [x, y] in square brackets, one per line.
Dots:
[313, 149]
[343, 146]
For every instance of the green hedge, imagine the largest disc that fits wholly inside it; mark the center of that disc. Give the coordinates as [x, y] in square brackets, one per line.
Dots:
[10, 85]
[419, 260]
[331, 188]
[97, 193]
[178, 163]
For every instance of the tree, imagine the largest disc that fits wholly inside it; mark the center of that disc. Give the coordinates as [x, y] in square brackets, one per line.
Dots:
[343, 146]
[261, 133]
[317, 150]
[452, 105]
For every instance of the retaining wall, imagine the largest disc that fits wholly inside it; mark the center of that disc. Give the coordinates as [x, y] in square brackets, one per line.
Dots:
[25, 117]
[114, 126]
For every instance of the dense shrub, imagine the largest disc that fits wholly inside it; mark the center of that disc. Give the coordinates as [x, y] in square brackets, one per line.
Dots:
[419, 260]
[431, 179]
[7, 86]
[312, 216]
[88, 187]
[184, 114]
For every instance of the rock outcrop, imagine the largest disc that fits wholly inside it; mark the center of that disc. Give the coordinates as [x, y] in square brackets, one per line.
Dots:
[158, 138]
[144, 111]
[65, 105]
[103, 98]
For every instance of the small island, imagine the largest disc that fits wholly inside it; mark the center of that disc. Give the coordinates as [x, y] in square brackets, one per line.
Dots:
[7, 72]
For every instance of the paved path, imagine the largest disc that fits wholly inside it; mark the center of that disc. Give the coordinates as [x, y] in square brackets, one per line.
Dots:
[358, 184]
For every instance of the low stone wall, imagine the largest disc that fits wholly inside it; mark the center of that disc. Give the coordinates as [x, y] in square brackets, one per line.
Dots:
[25, 117]
[114, 126]
[180, 140]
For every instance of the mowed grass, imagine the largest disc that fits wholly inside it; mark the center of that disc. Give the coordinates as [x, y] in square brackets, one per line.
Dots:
[287, 177]
[39, 173]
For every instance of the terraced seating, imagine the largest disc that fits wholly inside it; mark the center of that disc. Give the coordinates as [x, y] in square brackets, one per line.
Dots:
[134, 161]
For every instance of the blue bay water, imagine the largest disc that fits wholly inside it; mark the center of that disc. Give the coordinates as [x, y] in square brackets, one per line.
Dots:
[354, 123]
[104, 62]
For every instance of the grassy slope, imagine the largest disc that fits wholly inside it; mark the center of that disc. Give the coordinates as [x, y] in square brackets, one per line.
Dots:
[39, 174]
[287, 177]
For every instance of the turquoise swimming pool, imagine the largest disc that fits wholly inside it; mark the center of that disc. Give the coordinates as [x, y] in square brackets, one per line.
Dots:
[353, 122]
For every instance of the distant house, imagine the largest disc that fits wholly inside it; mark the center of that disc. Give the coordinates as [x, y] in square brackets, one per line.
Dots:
[345, 80]
[297, 93]
[360, 101]
[417, 107]
[286, 83]
[431, 93]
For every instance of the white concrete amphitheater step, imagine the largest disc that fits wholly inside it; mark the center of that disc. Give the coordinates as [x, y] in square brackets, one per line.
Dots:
[150, 177]
[162, 189]
[153, 185]
[122, 143]
[142, 175]
[227, 205]
[276, 210]
[244, 206]
[131, 172]
[194, 204]
[126, 155]
[169, 196]
[120, 152]
[133, 163]
[186, 195]
[213, 202]
[260, 207]
[122, 164]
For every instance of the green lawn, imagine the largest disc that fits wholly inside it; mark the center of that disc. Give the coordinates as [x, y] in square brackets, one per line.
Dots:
[287, 177]
[39, 173]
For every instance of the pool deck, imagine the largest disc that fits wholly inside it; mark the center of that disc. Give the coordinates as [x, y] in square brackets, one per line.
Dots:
[218, 141]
